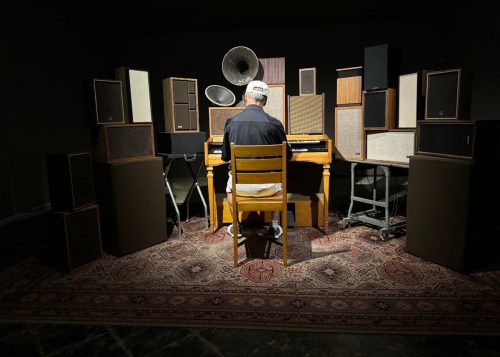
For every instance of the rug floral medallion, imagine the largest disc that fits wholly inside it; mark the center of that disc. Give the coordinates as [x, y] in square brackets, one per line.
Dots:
[341, 280]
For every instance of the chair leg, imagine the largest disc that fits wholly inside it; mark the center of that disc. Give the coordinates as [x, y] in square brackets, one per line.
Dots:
[235, 235]
[284, 225]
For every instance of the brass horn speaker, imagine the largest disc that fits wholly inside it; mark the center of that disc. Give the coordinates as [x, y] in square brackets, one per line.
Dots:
[220, 95]
[240, 65]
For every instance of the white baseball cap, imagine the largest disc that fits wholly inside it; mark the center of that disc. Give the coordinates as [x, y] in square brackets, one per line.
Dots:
[258, 87]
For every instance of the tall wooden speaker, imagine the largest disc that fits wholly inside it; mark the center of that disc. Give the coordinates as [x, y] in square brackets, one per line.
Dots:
[131, 195]
[446, 212]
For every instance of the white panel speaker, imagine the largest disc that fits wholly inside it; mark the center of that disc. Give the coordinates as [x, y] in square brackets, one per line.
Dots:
[136, 94]
[349, 133]
[307, 81]
[411, 101]
[394, 145]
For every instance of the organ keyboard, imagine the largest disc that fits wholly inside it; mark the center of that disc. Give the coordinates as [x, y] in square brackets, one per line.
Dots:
[313, 148]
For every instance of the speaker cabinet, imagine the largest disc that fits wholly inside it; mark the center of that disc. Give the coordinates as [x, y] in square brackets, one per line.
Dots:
[349, 133]
[131, 195]
[276, 103]
[74, 238]
[306, 114]
[136, 94]
[307, 81]
[448, 94]
[392, 146]
[411, 103]
[446, 205]
[382, 66]
[124, 142]
[108, 101]
[180, 143]
[71, 180]
[271, 70]
[460, 139]
[217, 117]
[379, 109]
[180, 102]
[349, 86]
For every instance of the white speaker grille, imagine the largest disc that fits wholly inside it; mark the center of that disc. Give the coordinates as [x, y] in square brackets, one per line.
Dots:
[349, 133]
[408, 93]
[395, 146]
[275, 105]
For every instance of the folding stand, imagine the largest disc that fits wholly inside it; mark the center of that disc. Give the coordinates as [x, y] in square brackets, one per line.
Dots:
[369, 216]
[183, 195]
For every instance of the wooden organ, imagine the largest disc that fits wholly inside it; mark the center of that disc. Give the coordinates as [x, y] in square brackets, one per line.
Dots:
[308, 197]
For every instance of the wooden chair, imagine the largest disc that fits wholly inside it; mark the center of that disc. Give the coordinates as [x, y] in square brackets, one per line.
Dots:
[257, 164]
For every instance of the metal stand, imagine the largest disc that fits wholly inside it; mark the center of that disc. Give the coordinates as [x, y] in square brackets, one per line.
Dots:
[181, 199]
[370, 216]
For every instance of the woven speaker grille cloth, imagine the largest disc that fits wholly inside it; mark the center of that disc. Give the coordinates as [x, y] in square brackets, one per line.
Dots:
[218, 116]
[306, 114]
[275, 105]
[390, 146]
[348, 133]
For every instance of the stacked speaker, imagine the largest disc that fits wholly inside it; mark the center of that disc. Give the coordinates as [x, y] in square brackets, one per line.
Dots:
[450, 176]
[306, 111]
[349, 131]
[75, 234]
[130, 189]
[386, 140]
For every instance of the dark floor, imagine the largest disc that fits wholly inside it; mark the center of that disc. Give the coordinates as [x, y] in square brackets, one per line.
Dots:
[23, 238]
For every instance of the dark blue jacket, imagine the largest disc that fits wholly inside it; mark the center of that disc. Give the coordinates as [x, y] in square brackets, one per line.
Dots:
[253, 126]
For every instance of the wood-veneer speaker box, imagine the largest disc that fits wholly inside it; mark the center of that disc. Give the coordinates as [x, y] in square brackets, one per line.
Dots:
[118, 142]
[448, 94]
[307, 81]
[180, 103]
[136, 94]
[379, 109]
[349, 133]
[217, 117]
[108, 100]
[349, 86]
[74, 238]
[271, 70]
[71, 180]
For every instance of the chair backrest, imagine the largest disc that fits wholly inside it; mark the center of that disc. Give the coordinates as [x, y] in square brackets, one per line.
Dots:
[255, 164]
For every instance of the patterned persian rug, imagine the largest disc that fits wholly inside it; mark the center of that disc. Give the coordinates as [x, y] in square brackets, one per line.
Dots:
[342, 280]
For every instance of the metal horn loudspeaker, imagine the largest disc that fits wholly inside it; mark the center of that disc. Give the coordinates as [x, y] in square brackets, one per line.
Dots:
[220, 95]
[240, 65]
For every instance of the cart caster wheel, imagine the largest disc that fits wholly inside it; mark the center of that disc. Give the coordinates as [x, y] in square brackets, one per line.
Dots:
[383, 236]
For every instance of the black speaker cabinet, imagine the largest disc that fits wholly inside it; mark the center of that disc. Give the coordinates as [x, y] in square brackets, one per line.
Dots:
[271, 70]
[379, 109]
[136, 94]
[119, 142]
[306, 114]
[108, 101]
[411, 103]
[460, 139]
[180, 143]
[349, 133]
[307, 81]
[131, 197]
[180, 103]
[448, 94]
[74, 238]
[382, 66]
[446, 212]
[71, 180]
[349, 86]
